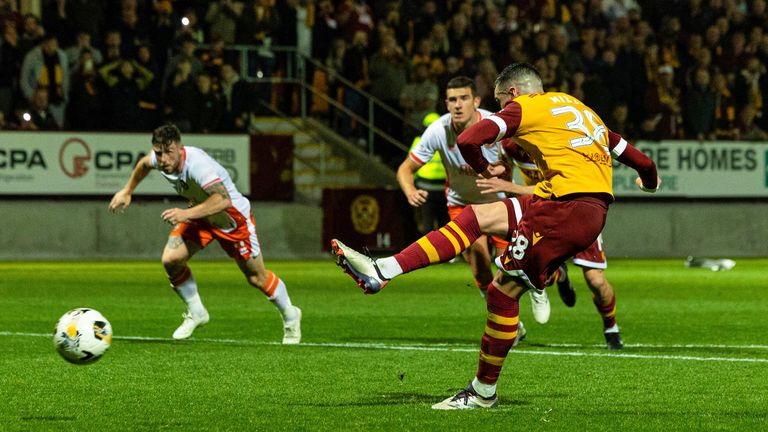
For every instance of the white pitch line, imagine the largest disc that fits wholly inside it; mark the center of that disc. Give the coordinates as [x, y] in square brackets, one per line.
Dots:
[460, 348]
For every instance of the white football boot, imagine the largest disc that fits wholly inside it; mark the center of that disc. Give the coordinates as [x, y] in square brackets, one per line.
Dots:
[360, 267]
[466, 399]
[540, 305]
[292, 329]
[190, 323]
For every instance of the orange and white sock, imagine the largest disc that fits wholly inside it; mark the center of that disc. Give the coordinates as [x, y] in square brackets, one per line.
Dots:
[186, 287]
[278, 294]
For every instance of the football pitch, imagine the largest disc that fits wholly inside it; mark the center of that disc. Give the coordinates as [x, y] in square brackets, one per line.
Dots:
[696, 355]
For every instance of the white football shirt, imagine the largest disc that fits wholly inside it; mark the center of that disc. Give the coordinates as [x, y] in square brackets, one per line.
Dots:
[198, 171]
[440, 137]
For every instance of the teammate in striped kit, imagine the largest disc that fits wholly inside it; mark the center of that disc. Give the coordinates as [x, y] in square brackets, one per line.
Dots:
[573, 148]
[217, 211]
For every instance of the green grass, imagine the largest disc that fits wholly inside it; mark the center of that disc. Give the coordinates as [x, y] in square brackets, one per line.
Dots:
[697, 354]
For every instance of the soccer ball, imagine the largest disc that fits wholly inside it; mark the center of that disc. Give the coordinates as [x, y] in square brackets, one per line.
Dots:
[82, 336]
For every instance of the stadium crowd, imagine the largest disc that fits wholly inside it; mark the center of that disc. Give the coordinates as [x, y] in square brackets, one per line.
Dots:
[652, 69]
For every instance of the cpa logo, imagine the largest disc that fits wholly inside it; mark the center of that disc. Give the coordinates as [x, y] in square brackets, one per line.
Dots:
[73, 156]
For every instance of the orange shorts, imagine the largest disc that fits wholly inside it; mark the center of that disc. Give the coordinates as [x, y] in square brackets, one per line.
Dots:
[499, 243]
[240, 243]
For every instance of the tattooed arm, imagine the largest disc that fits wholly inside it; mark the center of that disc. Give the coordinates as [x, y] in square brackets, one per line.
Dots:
[218, 200]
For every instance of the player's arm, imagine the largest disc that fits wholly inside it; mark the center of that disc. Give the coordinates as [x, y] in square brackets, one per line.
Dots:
[495, 185]
[630, 156]
[218, 200]
[416, 197]
[489, 130]
[122, 199]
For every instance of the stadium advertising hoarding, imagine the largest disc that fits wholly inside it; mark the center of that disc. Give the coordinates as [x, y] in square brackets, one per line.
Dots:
[701, 170]
[69, 163]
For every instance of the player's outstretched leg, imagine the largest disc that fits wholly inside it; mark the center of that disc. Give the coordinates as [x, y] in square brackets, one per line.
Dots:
[435, 247]
[196, 315]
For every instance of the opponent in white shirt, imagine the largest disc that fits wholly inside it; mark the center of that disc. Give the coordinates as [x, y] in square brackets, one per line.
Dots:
[217, 211]
[462, 103]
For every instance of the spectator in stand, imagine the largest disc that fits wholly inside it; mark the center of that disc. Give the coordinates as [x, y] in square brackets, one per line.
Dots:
[11, 58]
[208, 107]
[423, 55]
[325, 31]
[735, 57]
[441, 44]
[334, 63]
[700, 103]
[725, 109]
[82, 43]
[84, 111]
[180, 97]
[32, 33]
[748, 130]
[425, 19]
[41, 117]
[132, 29]
[186, 54]
[125, 82]
[484, 81]
[113, 43]
[460, 34]
[515, 51]
[258, 26]
[388, 78]
[149, 103]
[354, 16]
[662, 107]
[417, 99]
[87, 16]
[356, 71]
[749, 87]
[222, 16]
[713, 41]
[214, 57]
[47, 66]
[162, 31]
[237, 97]
[619, 122]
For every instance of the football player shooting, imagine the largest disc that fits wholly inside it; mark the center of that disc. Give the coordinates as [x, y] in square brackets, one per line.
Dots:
[462, 103]
[217, 211]
[566, 213]
[592, 260]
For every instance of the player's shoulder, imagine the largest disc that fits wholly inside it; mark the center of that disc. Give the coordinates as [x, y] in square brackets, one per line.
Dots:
[437, 128]
[484, 113]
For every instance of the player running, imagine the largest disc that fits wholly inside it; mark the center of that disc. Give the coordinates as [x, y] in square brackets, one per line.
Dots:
[566, 213]
[217, 211]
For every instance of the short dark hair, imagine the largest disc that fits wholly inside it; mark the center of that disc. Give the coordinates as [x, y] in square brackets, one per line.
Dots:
[166, 135]
[462, 82]
[517, 72]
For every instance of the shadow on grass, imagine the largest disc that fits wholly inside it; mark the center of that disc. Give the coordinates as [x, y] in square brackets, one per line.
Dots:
[398, 398]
